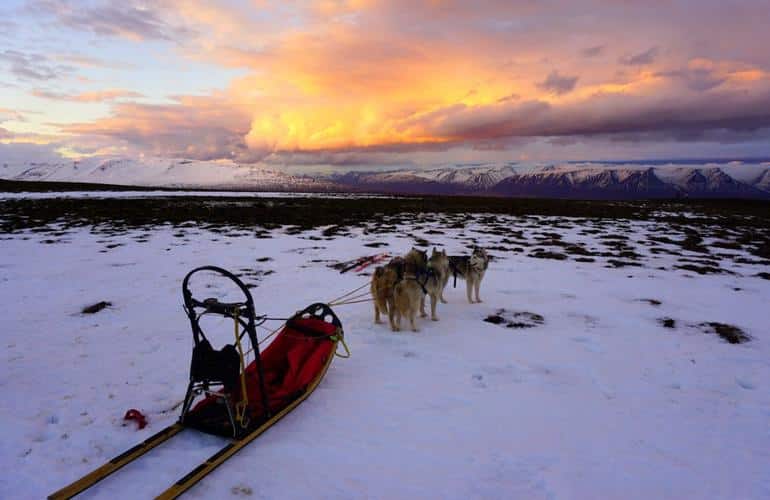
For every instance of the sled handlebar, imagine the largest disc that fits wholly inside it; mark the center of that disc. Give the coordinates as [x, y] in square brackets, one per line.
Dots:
[215, 306]
[212, 304]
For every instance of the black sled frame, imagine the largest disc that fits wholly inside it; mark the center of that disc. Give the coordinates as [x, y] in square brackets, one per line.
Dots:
[217, 373]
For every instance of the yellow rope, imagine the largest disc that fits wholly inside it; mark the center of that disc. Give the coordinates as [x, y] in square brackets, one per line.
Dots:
[349, 293]
[352, 302]
[350, 299]
[341, 338]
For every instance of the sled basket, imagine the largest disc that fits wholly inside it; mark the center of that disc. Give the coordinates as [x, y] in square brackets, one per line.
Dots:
[235, 400]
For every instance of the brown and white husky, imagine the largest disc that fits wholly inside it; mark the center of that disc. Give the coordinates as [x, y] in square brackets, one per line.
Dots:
[391, 299]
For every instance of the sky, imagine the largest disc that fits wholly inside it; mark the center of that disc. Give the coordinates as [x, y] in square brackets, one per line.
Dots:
[364, 83]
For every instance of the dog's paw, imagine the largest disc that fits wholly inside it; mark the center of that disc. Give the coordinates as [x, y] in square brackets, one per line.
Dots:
[443, 301]
[434, 318]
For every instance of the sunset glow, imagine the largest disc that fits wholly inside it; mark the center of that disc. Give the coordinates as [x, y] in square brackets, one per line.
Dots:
[368, 82]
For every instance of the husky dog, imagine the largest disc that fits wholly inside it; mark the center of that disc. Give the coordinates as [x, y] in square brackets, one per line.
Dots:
[409, 292]
[434, 281]
[384, 280]
[386, 277]
[407, 295]
[471, 269]
[415, 262]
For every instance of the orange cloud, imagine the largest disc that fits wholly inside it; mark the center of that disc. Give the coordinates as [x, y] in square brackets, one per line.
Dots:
[351, 76]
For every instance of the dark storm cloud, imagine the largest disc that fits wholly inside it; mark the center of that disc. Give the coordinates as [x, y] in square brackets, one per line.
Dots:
[673, 115]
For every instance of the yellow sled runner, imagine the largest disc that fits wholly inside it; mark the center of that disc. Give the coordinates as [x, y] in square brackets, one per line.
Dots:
[237, 400]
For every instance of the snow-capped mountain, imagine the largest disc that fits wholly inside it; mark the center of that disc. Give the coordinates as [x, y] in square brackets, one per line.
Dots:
[162, 172]
[587, 180]
[568, 180]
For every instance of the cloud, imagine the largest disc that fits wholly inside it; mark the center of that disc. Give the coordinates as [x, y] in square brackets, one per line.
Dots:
[642, 58]
[668, 113]
[340, 82]
[7, 115]
[28, 152]
[92, 62]
[96, 96]
[131, 19]
[31, 66]
[197, 127]
[558, 84]
[699, 75]
[509, 97]
[592, 51]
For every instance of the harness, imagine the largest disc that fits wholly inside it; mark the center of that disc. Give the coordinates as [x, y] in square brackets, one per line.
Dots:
[428, 273]
[455, 271]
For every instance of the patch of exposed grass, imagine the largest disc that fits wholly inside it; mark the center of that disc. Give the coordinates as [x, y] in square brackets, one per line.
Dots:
[701, 269]
[515, 319]
[730, 333]
[540, 253]
[622, 263]
[95, 308]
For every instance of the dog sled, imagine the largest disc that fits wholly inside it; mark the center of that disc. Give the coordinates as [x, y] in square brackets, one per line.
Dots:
[229, 397]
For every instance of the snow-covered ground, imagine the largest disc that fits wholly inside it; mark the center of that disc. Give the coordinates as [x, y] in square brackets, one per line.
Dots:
[600, 401]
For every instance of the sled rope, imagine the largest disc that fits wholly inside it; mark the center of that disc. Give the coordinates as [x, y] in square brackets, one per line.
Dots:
[342, 298]
[350, 297]
[362, 297]
[352, 302]
[341, 338]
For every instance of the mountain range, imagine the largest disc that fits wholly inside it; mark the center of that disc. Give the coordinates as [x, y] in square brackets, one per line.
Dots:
[566, 180]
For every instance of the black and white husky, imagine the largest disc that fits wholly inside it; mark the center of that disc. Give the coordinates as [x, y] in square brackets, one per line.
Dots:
[471, 268]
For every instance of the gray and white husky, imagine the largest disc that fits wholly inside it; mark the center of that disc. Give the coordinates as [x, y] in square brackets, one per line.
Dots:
[471, 268]
[435, 278]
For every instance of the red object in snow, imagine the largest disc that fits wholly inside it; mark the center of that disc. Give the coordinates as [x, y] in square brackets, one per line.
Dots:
[373, 260]
[137, 416]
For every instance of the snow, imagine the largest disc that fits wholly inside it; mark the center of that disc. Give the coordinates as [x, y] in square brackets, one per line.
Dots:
[161, 172]
[599, 402]
[678, 175]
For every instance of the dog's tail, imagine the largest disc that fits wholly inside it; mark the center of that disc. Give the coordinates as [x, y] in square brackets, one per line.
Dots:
[379, 294]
